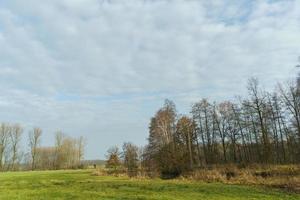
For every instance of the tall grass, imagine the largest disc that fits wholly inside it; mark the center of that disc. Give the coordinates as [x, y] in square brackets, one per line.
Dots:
[280, 176]
[285, 177]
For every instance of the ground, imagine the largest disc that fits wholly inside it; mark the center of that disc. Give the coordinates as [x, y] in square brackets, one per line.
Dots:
[82, 184]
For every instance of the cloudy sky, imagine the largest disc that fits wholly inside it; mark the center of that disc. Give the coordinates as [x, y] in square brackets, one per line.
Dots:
[100, 68]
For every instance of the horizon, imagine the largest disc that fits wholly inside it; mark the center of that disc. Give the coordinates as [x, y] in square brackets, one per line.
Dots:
[101, 69]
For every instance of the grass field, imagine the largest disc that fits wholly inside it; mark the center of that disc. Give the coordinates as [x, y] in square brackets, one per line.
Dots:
[82, 185]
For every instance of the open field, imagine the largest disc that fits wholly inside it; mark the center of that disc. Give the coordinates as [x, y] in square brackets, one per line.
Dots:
[83, 185]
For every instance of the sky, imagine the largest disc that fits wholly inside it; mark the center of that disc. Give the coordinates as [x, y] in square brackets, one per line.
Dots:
[101, 68]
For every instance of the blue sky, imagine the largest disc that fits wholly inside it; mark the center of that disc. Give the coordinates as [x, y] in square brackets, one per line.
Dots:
[102, 68]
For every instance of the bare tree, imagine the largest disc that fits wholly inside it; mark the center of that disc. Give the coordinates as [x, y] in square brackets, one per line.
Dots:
[68, 151]
[81, 146]
[4, 139]
[291, 98]
[257, 103]
[15, 137]
[34, 141]
[186, 135]
[59, 157]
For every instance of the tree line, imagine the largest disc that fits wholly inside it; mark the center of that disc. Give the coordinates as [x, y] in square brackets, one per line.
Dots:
[261, 128]
[66, 153]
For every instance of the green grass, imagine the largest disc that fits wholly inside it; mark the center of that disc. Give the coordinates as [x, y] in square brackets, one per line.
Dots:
[82, 185]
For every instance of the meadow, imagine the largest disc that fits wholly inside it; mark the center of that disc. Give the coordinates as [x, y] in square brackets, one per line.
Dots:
[82, 184]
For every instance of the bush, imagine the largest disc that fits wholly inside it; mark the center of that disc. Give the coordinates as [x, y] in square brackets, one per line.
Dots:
[170, 174]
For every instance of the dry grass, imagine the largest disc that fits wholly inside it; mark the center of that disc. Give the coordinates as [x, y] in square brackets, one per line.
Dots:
[284, 176]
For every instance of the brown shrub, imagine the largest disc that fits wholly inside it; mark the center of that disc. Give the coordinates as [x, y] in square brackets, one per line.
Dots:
[99, 172]
[212, 175]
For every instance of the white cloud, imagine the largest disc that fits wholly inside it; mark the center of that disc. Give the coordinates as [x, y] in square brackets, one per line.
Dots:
[131, 51]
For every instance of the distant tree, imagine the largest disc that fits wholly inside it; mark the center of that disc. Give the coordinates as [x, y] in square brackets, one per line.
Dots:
[161, 151]
[59, 155]
[291, 98]
[68, 151]
[45, 157]
[223, 118]
[113, 159]
[203, 113]
[34, 142]
[4, 141]
[258, 104]
[131, 159]
[185, 132]
[80, 146]
[15, 138]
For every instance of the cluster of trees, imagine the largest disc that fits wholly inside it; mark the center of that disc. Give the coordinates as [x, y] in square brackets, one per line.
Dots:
[262, 128]
[128, 160]
[67, 152]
